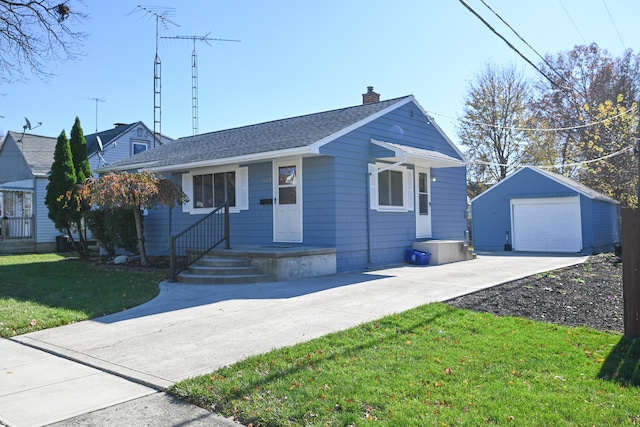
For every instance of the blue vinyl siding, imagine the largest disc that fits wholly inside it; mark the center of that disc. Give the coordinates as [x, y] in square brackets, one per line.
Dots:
[351, 156]
[319, 200]
[391, 232]
[449, 203]
[605, 219]
[492, 216]
[248, 227]
[255, 225]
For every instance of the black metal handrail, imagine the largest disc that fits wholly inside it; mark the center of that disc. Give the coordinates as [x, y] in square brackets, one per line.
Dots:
[191, 244]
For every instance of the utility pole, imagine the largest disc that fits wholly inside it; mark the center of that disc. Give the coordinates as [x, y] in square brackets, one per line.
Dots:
[194, 73]
[631, 261]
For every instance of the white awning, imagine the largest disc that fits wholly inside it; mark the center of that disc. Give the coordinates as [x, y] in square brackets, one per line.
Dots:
[419, 156]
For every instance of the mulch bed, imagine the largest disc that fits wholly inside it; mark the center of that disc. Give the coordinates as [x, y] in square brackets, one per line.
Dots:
[154, 263]
[589, 294]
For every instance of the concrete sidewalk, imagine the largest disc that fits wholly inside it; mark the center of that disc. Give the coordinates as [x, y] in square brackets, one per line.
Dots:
[190, 330]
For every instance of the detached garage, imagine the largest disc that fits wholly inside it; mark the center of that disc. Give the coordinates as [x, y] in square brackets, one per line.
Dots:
[534, 210]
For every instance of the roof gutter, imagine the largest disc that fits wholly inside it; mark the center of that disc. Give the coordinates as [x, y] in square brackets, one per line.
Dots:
[292, 152]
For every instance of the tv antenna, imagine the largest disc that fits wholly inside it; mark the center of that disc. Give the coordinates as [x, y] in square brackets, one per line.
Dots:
[194, 72]
[161, 16]
[96, 100]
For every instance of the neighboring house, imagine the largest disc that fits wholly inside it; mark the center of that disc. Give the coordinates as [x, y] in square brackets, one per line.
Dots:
[124, 140]
[367, 180]
[25, 166]
[540, 211]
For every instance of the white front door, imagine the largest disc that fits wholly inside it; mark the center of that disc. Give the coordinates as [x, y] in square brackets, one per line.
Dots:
[287, 195]
[423, 203]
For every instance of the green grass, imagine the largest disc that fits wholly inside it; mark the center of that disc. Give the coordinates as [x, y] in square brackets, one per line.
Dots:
[44, 291]
[434, 365]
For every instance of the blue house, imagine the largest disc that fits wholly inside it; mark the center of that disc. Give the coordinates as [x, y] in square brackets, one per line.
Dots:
[366, 181]
[536, 210]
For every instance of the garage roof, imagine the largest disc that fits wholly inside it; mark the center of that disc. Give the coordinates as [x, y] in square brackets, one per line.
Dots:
[563, 180]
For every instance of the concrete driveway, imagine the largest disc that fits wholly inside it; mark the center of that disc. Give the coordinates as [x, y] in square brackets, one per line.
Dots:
[193, 329]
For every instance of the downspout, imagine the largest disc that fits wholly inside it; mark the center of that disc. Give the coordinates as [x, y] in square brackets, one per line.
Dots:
[368, 207]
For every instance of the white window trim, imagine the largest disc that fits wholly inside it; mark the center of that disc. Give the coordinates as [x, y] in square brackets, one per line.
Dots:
[135, 142]
[242, 189]
[408, 186]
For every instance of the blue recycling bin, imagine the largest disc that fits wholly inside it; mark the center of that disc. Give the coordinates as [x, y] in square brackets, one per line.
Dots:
[415, 257]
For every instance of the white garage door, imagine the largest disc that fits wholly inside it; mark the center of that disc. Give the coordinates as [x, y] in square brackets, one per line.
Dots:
[546, 225]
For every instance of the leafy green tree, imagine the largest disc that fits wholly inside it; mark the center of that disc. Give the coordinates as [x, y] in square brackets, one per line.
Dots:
[113, 228]
[136, 191]
[79, 153]
[61, 180]
[80, 158]
[611, 139]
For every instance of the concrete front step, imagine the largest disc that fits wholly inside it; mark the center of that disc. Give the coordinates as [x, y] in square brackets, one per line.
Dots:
[212, 270]
[445, 251]
[208, 279]
[223, 270]
[217, 261]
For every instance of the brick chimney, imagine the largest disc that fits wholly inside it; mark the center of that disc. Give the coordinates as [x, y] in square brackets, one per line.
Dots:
[370, 97]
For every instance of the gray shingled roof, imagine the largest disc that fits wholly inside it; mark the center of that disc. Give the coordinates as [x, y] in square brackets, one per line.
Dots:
[106, 136]
[561, 179]
[271, 136]
[581, 188]
[37, 150]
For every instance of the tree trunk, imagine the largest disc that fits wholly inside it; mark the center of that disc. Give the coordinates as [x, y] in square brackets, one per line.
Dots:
[137, 213]
[83, 244]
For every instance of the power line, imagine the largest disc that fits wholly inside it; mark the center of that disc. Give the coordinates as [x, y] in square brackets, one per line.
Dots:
[584, 162]
[614, 24]
[477, 15]
[561, 129]
[551, 67]
[572, 22]
[564, 89]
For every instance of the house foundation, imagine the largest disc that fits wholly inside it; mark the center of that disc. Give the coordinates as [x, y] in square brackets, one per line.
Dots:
[444, 251]
[286, 262]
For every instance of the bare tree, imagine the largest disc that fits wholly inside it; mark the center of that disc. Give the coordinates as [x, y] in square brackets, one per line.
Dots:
[34, 34]
[493, 122]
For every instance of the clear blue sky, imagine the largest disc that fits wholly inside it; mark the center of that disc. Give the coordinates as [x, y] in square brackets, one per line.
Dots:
[299, 57]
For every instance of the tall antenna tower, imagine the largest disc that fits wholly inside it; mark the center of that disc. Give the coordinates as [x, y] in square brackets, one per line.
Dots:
[161, 15]
[194, 73]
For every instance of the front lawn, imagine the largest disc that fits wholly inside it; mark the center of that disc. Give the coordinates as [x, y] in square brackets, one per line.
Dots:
[433, 365]
[48, 290]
